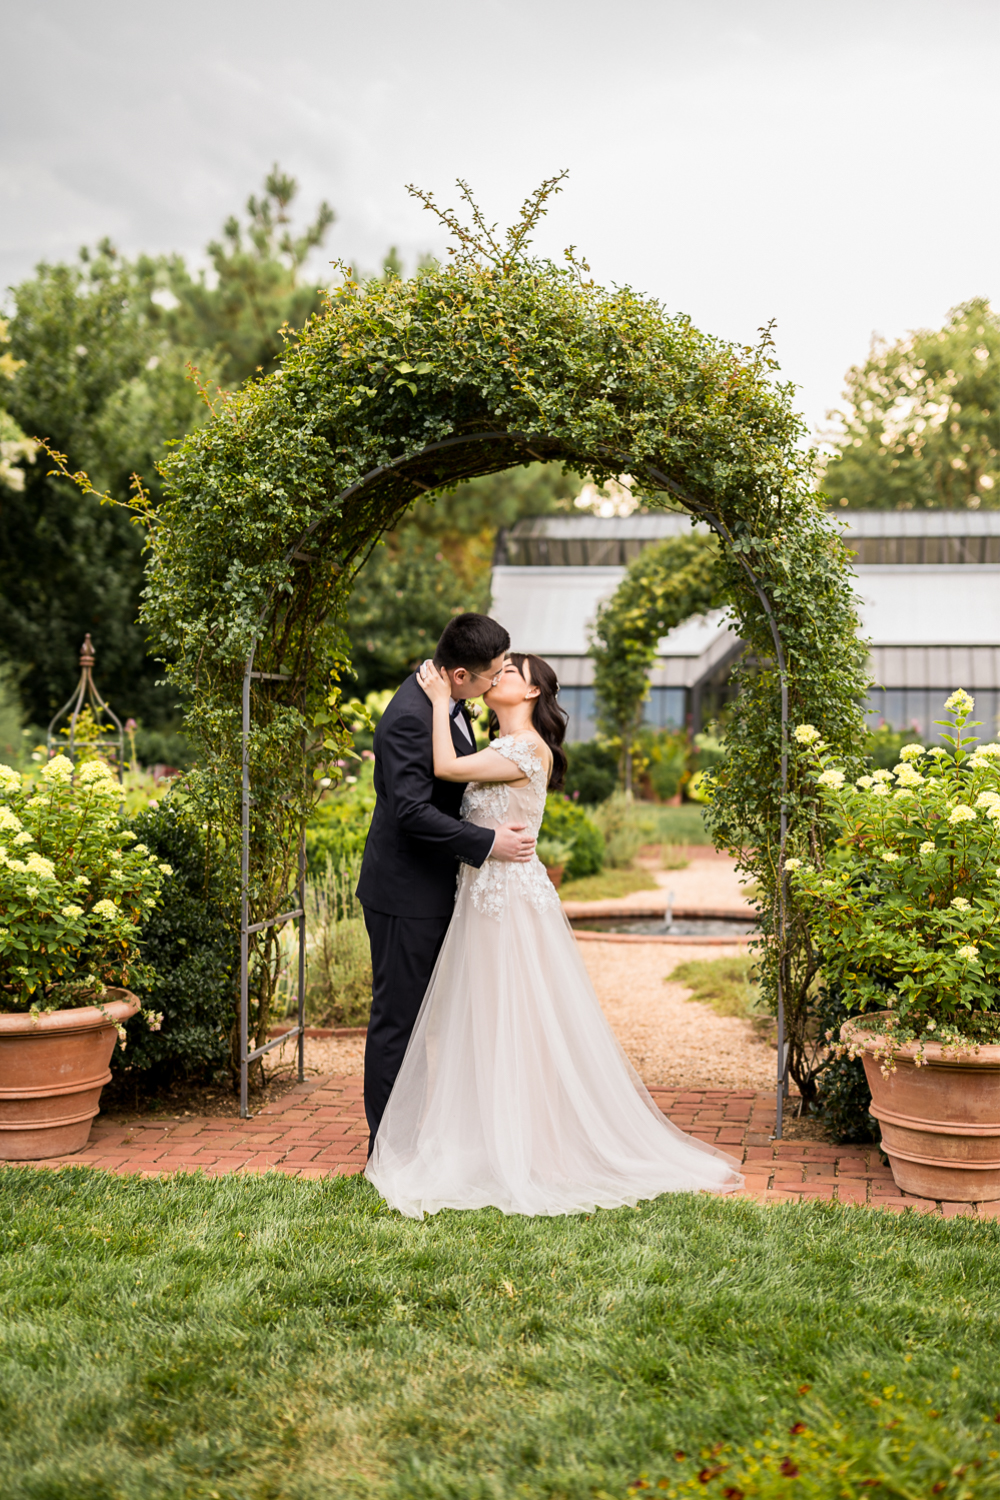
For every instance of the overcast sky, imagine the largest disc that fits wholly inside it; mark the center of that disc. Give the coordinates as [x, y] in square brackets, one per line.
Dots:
[833, 166]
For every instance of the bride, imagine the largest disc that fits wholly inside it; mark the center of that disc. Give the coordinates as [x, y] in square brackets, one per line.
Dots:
[514, 1092]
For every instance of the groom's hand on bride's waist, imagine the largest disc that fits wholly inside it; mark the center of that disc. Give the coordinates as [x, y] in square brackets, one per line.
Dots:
[513, 843]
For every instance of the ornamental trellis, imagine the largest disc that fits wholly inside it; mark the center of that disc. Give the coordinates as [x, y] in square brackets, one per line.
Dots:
[404, 388]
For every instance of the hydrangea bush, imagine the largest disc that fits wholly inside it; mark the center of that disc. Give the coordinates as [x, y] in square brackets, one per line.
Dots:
[75, 888]
[904, 909]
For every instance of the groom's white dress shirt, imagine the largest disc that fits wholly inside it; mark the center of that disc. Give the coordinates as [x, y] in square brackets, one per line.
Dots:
[459, 718]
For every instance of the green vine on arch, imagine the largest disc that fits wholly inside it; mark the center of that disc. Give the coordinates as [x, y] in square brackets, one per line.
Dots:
[401, 388]
[664, 586]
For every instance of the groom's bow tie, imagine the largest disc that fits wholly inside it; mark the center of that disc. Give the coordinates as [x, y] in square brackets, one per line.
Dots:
[456, 709]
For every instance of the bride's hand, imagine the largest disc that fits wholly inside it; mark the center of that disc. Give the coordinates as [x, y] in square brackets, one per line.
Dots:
[434, 683]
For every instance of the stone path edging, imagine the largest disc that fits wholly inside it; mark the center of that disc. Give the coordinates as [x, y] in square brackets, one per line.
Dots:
[318, 1129]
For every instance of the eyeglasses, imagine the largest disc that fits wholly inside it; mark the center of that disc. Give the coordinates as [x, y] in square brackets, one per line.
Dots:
[493, 680]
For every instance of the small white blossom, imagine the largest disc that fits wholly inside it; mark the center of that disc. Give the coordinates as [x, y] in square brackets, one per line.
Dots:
[959, 903]
[154, 1019]
[890, 857]
[806, 734]
[928, 847]
[81, 880]
[988, 799]
[902, 794]
[72, 911]
[961, 814]
[95, 770]
[140, 849]
[32, 891]
[166, 869]
[978, 762]
[880, 789]
[864, 782]
[106, 909]
[10, 779]
[128, 837]
[831, 778]
[969, 952]
[993, 750]
[9, 820]
[39, 865]
[907, 775]
[793, 864]
[939, 752]
[23, 838]
[884, 776]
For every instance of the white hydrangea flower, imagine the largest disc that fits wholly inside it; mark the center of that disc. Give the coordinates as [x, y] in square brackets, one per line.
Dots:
[978, 762]
[94, 770]
[959, 903]
[23, 838]
[912, 752]
[902, 794]
[992, 750]
[880, 789]
[960, 702]
[9, 820]
[106, 909]
[829, 885]
[39, 865]
[832, 778]
[10, 779]
[32, 891]
[864, 782]
[140, 848]
[938, 752]
[128, 837]
[114, 854]
[793, 864]
[988, 799]
[72, 911]
[993, 813]
[883, 776]
[890, 857]
[961, 814]
[38, 801]
[59, 768]
[166, 869]
[806, 734]
[17, 865]
[928, 847]
[969, 952]
[81, 880]
[906, 775]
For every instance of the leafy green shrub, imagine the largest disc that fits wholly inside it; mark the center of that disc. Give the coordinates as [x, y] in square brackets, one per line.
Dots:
[592, 774]
[882, 746]
[622, 829]
[566, 822]
[665, 754]
[338, 957]
[191, 943]
[339, 825]
[844, 1098]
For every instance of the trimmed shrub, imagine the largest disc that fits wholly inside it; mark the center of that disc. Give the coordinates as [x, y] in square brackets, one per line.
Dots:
[592, 774]
[566, 822]
[192, 943]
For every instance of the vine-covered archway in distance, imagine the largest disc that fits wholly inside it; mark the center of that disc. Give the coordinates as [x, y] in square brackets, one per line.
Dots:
[402, 388]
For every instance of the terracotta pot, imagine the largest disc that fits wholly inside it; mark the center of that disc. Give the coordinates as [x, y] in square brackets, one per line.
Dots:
[555, 874]
[52, 1072]
[940, 1122]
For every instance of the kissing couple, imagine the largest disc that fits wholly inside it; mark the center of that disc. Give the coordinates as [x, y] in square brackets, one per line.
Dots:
[491, 1074]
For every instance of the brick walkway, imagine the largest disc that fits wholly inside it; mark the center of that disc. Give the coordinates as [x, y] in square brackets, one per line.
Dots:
[318, 1130]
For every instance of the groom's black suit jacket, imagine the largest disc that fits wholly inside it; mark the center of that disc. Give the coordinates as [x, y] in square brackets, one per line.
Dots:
[416, 838]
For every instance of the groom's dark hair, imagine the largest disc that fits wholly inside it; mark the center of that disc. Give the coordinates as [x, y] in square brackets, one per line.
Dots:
[470, 641]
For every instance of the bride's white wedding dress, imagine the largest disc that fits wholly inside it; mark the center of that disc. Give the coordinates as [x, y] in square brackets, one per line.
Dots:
[514, 1091]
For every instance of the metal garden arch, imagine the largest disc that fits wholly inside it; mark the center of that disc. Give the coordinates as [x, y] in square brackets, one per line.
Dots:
[447, 461]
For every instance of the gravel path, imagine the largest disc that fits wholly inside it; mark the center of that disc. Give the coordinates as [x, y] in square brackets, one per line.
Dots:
[670, 1040]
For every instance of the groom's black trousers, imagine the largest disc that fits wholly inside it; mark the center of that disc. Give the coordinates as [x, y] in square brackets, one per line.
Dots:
[404, 952]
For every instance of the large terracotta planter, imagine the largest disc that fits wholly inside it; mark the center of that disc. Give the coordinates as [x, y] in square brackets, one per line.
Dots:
[52, 1072]
[555, 874]
[940, 1122]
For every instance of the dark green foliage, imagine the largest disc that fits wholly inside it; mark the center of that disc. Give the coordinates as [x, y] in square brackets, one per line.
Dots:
[567, 822]
[103, 383]
[844, 1096]
[662, 759]
[192, 944]
[922, 431]
[268, 1339]
[168, 746]
[882, 746]
[592, 774]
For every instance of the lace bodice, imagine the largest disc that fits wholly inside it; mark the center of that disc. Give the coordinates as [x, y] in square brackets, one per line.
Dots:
[491, 803]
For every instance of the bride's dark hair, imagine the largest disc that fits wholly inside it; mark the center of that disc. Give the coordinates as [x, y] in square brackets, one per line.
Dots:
[547, 717]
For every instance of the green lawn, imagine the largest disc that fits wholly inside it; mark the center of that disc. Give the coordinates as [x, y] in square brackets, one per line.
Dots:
[608, 885]
[246, 1338]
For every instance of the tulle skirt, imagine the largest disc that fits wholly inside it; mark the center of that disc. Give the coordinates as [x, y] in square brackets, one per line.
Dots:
[514, 1091]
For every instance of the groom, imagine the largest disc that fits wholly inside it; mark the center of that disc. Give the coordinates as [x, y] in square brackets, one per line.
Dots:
[415, 845]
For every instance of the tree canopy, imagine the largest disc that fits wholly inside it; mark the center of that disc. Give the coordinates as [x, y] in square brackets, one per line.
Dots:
[921, 430]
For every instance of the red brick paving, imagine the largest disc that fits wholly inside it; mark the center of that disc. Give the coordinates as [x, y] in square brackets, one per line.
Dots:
[318, 1130]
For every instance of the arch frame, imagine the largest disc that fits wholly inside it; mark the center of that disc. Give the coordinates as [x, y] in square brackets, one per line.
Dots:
[271, 507]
